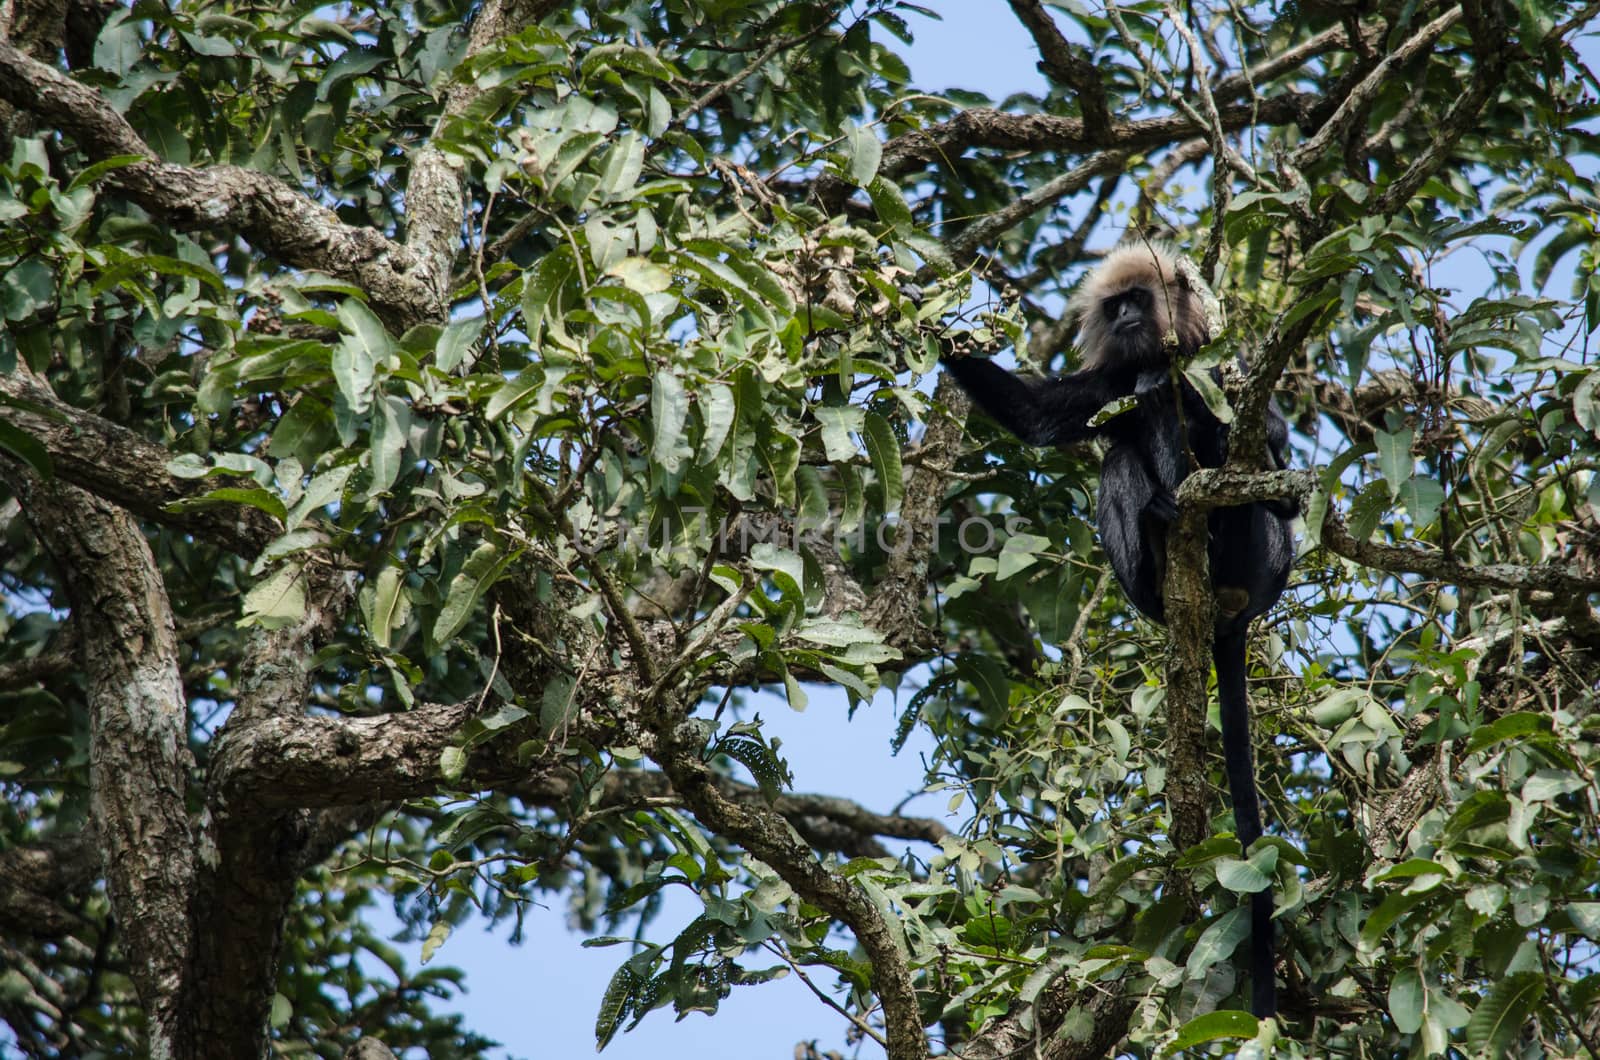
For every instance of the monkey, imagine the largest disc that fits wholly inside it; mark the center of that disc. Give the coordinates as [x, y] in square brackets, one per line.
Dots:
[1139, 312]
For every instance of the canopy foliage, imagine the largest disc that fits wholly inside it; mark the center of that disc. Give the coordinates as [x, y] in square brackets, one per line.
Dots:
[419, 423]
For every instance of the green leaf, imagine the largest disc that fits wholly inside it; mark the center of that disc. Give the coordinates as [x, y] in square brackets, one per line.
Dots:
[1218, 941]
[716, 273]
[254, 496]
[988, 677]
[641, 275]
[1212, 1027]
[466, 588]
[786, 566]
[614, 1006]
[1585, 404]
[557, 704]
[1405, 1000]
[883, 448]
[282, 1010]
[1388, 912]
[1422, 498]
[624, 163]
[837, 633]
[277, 601]
[669, 408]
[717, 410]
[358, 354]
[322, 491]
[25, 288]
[436, 938]
[1510, 727]
[1394, 458]
[1500, 1017]
[1241, 877]
[391, 425]
[796, 695]
[93, 173]
[1547, 784]
[540, 286]
[454, 343]
[866, 151]
[625, 57]
[1020, 552]
[26, 447]
[1411, 869]
[384, 606]
[890, 205]
[512, 393]
[836, 422]
[452, 763]
[1585, 917]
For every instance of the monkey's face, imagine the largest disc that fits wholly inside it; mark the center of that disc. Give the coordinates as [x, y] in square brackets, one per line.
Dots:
[1136, 325]
[1137, 309]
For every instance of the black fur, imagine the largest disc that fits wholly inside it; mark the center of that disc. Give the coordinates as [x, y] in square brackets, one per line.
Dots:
[1251, 546]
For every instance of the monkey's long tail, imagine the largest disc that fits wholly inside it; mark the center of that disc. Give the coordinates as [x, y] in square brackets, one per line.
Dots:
[1228, 653]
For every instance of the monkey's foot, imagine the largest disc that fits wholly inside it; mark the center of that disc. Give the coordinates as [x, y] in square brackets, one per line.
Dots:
[1231, 600]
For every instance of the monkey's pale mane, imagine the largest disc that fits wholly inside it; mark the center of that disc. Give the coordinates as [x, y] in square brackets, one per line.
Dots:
[1152, 265]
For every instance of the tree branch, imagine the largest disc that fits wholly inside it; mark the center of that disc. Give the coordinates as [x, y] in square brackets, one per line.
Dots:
[1067, 65]
[1487, 77]
[1337, 128]
[435, 204]
[138, 733]
[990, 227]
[987, 127]
[1409, 558]
[268, 213]
[766, 835]
[110, 461]
[34, 880]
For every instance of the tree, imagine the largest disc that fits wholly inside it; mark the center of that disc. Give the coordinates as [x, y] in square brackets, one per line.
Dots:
[418, 423]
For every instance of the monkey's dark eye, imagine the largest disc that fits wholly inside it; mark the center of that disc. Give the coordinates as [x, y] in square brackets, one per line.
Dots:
[1134, 298]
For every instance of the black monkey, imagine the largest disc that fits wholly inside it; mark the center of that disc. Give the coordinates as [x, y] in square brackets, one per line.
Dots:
[1138, 309]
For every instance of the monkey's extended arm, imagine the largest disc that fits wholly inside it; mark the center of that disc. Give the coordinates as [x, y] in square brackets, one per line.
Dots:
[1050, 411]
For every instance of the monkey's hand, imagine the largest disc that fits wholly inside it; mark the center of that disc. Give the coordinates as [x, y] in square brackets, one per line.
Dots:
[1149, 381]
[1283, 507]
[1162, 506]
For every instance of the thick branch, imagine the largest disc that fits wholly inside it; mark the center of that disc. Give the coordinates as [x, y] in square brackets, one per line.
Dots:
[986, 127]
[309, 761]
[896, 603]
[435, 205]
[257, 853]
[1337, 128]
[138, 732]
[1488, 75]
[1190, 624]
[268, 213]
[767, 835]
[1030, 1030]
[1560, 578]
[989, 228]
[825, 821]
[112, 462]
[1067, 64]
[34, 881]
[1245, 81]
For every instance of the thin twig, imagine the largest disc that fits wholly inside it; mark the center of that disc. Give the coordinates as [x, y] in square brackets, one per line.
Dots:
[1221, 189]
[1354, 105]
[722, 88]
[861, 1025]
